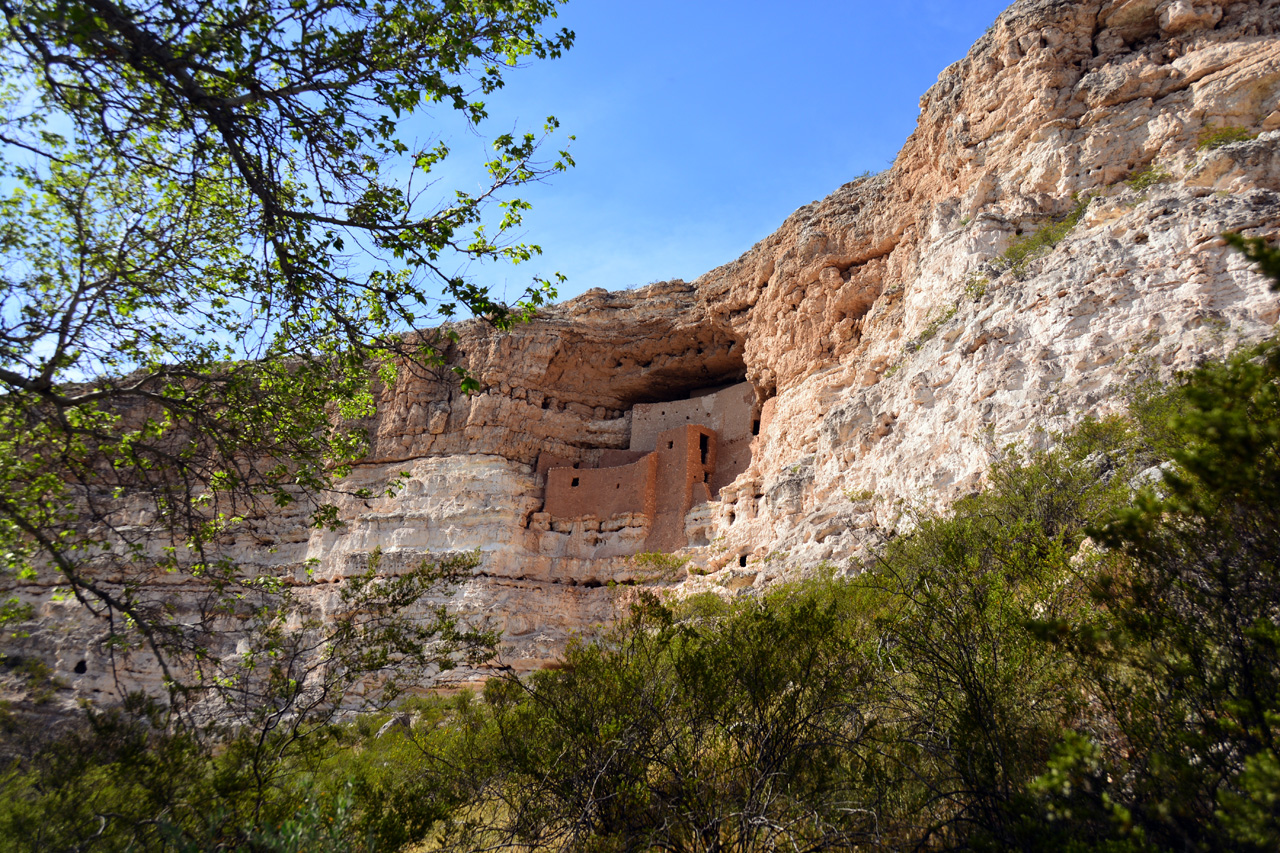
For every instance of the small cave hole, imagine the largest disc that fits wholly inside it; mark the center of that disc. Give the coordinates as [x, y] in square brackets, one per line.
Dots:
[1141, 238]
[81, 668]
[732, 517]
[574, 484]
[742, 561]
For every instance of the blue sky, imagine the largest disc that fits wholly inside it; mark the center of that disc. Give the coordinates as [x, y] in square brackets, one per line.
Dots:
[702, 125]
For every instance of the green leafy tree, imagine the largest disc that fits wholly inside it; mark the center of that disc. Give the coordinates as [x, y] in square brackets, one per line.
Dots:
[971, 699]
[214, 235]
[1193, 677]
[1184, 674]
[737, 731]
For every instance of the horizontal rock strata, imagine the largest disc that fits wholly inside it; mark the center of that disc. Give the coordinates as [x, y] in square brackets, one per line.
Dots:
[892, 342]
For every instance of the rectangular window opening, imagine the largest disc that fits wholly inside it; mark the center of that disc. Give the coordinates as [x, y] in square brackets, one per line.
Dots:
[574, 484]
[704, 445]
[755, 427]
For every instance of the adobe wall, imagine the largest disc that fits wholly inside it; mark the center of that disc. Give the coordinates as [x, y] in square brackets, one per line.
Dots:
[547, 461]
[602, 492]
[685, 460]
[735, 457]
[611, 458]
[682, 453]
[728, 412]
[735, 451]
[766, 412]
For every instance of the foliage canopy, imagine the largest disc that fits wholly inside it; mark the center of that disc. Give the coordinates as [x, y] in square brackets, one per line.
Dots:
[1085, 656]
[213, 234]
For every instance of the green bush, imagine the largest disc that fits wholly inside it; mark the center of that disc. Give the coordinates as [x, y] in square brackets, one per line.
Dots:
[119, 781]
[1195, 654]
[1023, 250]
[976, 284]
[1078, 658]
[937, 323]
[741, 731]
[1216, 138]
[1148, 177]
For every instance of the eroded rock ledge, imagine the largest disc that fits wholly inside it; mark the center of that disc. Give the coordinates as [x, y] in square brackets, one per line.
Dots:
[889, 347]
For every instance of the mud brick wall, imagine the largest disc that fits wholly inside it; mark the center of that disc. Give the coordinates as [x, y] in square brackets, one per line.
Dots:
[728, 412]
[686, 459]
[602, 492]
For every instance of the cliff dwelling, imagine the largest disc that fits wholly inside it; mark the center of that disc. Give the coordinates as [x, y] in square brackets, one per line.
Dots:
[682, 452]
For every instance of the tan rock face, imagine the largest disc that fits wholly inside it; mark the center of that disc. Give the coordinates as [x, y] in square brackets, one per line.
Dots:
[891, 349]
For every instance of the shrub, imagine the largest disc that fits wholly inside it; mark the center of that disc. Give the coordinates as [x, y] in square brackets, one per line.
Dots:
[1148, 177]
[976, 284]
[937, 323]
[1023, 250]
[1217, 138]
[658, 566]
[738, 731]
[978, 699]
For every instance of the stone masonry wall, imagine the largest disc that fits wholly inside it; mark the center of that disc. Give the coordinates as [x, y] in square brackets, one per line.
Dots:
[603, 492]
[727, 411]
[686, 459]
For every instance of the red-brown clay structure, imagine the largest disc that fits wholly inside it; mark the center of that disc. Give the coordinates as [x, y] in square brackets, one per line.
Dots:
[682, 453]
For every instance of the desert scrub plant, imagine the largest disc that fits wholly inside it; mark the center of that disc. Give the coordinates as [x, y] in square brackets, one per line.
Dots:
[658, 566]
[1218, 137]
[937, 323]
[1023, 250]
[1148, 177]
[36, 677]
[975, 285]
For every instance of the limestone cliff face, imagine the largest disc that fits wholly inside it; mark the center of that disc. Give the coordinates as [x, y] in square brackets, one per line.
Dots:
[890, 348]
